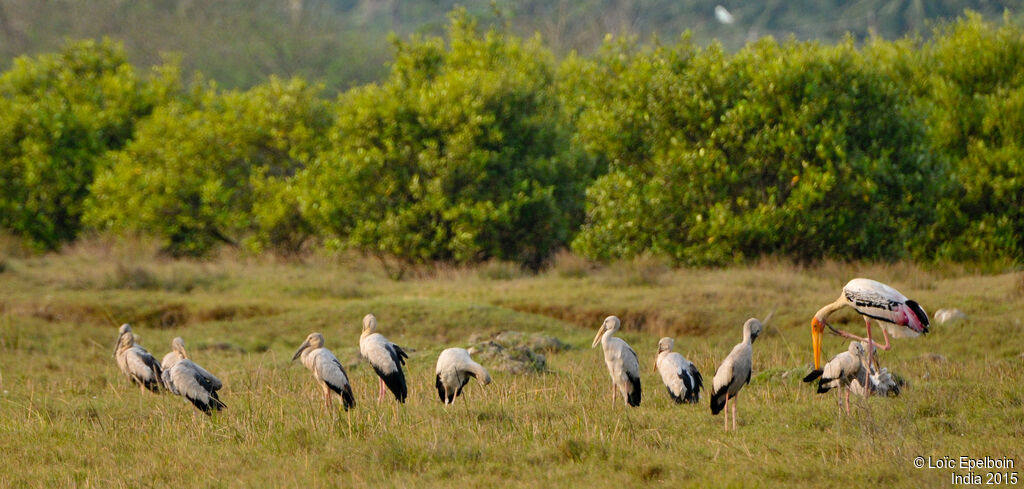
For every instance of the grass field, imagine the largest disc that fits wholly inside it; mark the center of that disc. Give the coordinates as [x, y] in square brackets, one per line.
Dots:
[69, 418]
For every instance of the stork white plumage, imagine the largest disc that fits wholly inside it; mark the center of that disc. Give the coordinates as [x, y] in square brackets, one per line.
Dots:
[326, 369]
[454, 368]
[187, 379]
[733, 373]
[842, 370]
[135, 362]
[898, 316]
[385, 357]
[681, 377]
[622, 362]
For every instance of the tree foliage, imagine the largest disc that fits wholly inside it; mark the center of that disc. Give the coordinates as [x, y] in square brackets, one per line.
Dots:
[216, 167]
[483, 145]
[462, 154]
[59, 114]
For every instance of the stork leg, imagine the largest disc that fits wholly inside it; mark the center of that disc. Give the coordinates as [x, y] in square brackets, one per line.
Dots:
[734, 414]
[380, 395]
[871, 351]
[847, 401]
[726, 409]
[613, 393]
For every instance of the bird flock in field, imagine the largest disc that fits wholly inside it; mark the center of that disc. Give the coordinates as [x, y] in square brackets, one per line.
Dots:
[855, 370]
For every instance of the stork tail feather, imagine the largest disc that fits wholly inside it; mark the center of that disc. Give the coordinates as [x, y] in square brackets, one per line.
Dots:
[635, 393]
[813, 375]
[718, 399]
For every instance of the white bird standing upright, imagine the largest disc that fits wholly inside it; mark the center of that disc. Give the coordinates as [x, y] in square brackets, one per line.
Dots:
[681, 377]
[187, 379]
[734, 373]
[327, 370]
[622, 362]
[454, 368]
[841, 370]
[135, 362]
[898, 316]
[385, 357]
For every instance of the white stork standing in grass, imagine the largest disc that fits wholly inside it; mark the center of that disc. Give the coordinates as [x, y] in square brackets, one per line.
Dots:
[734, 373]
[622, 362]
[135, 362]
[898, 316]
[454, 368]
[681, 377]
[187, 379]
[385, 357]
[327, 370]
[841, 371]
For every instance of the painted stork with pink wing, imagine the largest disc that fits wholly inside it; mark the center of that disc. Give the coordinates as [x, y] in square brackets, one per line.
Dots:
[897, 315]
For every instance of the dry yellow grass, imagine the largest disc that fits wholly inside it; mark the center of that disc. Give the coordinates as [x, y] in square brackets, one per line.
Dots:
[68, 418]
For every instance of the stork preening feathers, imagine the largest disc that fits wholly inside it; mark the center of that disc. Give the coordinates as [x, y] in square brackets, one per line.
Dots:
[454, 368]
[898, 316]
[385, 357]
[187, 379]
[135, 362]
[622, 362]
[681, 377]
[734, 373]
[326, 369]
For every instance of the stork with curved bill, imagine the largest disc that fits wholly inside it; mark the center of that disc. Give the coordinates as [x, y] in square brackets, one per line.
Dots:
[621, 360]
[898, 316]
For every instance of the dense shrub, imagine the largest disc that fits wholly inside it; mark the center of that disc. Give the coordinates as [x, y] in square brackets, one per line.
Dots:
[59, 114]
[793, 149]
[481, 145]
[216, 167]
[462, 154]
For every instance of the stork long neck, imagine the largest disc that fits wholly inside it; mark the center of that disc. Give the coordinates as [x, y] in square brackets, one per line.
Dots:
[478, 371]
[608, 335]
[827, 311]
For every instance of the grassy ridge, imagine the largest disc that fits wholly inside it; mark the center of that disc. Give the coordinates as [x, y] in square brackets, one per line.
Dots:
[69, 418]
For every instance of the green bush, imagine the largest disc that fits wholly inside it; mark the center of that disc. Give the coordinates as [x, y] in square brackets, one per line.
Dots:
[463, 155]
[59, 114]
[794, 149]
[216, 167]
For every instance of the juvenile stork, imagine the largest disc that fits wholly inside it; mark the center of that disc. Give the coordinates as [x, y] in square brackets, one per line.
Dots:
[842, 370]
[454, 368]
[187, 379]
[385, 357]
[622, 362]
[681, 377]
[327, 370]
[135, 362]
[898, 316]
[734, 373]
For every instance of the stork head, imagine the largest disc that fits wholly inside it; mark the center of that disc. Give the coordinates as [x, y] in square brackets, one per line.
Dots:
[369, 324]
[856, 349]
[125, 328]
[125, 341]
[313, 341]
[751, 329]
[817, 330]
[665, 344]
[178, 345]
[611, 323]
